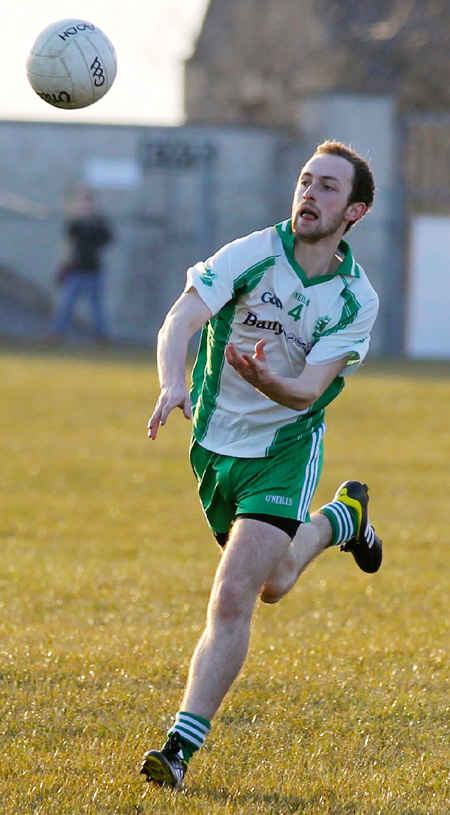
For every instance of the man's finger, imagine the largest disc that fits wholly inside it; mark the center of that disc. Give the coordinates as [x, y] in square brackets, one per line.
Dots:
[187, 408]
[155, 421]
[153, 427]
[259, 349]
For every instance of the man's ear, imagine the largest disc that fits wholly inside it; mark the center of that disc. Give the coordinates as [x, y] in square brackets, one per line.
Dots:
[355, 212]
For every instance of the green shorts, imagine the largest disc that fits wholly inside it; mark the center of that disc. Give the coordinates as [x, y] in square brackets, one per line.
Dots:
[282, 485]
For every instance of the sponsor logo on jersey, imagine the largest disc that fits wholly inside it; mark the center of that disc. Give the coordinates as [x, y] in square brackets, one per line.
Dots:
[269, 297]
[266, 325]
[279, 499]
[278, 329]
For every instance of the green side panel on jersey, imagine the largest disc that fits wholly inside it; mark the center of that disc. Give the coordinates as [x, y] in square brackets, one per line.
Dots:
[306, 422]
[333, 390]
[208, 367]
[294, 431]
[199, 368]
[210, 359]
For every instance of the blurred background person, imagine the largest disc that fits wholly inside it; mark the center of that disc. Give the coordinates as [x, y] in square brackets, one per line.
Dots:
[81, 274]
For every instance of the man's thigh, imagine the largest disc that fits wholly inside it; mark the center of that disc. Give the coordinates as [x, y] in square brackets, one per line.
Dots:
[253, 551]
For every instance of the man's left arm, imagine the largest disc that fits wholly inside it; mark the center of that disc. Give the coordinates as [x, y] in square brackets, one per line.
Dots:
[299, 393]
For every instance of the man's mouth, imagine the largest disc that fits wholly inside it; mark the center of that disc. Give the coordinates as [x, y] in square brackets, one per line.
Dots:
[307, 214]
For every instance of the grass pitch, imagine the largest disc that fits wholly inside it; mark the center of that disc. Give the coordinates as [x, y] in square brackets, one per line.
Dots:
[106, 564]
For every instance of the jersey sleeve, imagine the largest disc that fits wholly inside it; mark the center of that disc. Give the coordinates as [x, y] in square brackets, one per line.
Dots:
[222, 276]
[214, 279]
[349, 338]
[214, 289]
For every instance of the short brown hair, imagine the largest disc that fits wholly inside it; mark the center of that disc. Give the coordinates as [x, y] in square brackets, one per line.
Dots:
[363, 181]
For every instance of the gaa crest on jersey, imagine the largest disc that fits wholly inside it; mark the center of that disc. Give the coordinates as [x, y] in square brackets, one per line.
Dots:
[320, 326]
[207, 277]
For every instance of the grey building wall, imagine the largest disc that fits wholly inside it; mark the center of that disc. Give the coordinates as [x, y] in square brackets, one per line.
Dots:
[370, 125]
[174, 196]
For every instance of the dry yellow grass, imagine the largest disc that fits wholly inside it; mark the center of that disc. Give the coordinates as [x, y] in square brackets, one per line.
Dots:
[343, 705]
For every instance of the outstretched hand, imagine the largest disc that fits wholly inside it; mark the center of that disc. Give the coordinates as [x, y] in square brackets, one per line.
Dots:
[254, 369]
[169, 399]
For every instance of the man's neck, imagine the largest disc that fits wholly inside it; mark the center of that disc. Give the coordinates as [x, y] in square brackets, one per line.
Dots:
[318, 259]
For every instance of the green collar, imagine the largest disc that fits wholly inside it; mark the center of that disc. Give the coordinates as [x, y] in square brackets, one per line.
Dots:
[347, 267]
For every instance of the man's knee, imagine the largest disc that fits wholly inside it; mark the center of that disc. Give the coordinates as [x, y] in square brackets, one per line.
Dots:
[271, 594]
[231, 599]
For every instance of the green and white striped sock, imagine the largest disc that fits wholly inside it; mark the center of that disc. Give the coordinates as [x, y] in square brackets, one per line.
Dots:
[343, 521]
[192, 731]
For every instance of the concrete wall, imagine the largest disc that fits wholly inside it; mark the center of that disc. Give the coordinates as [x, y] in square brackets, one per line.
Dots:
[369, 124]
[175, 195]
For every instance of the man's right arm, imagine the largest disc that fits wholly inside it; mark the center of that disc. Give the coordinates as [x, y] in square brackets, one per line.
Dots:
[185, 317]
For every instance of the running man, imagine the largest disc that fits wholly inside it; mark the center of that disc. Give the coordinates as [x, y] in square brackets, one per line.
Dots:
[286, 315]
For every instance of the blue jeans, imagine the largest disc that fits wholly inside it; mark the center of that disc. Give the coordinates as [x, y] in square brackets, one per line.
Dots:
[81, 284]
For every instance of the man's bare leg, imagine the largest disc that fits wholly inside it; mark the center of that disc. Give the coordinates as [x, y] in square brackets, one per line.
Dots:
[311, 539]
[251, 555]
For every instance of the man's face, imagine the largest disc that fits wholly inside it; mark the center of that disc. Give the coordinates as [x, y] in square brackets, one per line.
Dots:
[320, 206]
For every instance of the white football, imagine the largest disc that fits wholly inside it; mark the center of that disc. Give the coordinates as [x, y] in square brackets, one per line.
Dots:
[72, 64]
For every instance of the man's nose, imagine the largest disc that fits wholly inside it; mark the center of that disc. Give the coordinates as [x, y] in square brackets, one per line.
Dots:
[309, 191]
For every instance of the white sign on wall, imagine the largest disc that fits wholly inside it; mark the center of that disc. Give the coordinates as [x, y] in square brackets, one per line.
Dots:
[112, 173]
[428, 307]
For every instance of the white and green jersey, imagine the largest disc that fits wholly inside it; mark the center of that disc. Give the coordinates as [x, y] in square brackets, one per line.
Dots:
[256, 290]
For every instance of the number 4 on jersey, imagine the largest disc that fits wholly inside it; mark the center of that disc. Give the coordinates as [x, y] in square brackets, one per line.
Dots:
[295, 312]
